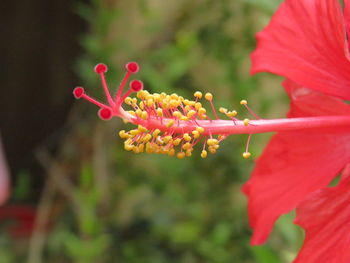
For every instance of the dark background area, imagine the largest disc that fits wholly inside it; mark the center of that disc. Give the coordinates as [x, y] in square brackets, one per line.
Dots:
[39, 45]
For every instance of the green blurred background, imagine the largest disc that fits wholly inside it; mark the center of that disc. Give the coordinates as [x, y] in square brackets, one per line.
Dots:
[99, 203]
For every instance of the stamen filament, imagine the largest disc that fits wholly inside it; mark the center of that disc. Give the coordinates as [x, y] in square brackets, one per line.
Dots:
[251, 112]
[247, 145]
[88, 98]
[105, 88]
[245, 104]
[126, 95]
[213, 109]
[122, 85]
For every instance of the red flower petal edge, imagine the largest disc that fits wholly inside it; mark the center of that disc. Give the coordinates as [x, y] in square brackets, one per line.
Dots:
[325, 216]
[297, 163]
[306, 42]
[23, 217]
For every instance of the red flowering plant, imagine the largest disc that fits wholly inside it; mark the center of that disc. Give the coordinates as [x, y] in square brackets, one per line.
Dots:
[306, 42]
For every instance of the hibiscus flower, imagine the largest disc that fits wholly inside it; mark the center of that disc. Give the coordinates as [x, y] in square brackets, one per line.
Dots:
[306, 42]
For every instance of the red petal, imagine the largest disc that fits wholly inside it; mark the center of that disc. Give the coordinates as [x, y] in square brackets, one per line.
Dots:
[325, 216]
[306, 42]
[347, 15]
[295, 164]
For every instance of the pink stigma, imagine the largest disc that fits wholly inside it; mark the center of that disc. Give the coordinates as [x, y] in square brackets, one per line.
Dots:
[136, 85]
[78, 92]
[101, 68]
[105, 114]
[132, 67]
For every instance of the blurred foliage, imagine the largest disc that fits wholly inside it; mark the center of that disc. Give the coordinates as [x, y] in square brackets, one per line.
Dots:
[123, 207]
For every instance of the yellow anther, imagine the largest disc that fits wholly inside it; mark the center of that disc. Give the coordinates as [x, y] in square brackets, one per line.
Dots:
[128, 141]
[191, 113]
[177, 141]
[149, 96]
[246, 122]
[223, 110]
[141, 148]
[144, 115]
[159, 140]
[187, 137]
[149, 148]
[134, 101]
[142, 105]
[202, 111]
[170, 123]
[142, 94]
[171, 152]
[217, 146]
[132, 112]
[159, 112]
[198, 94]
[231, 114]
[198, 105]
[123, 135]
[135, 149]
[203, 116]
[187, 108]
[246, 155]
[212, 142]
[189, 152]
[200, 129]
[212, 150]
[187, 146]
[157, 97]
[208, 96]
[155, 133]
[174, 103]
[147, 137]
[181, 155]
[165, 105]
[177, 114]
[134, 132]
[128, 100]
[150, 102]
[138, 112]
[244, 102]
[195, 134]
[204, 154]
[141, 128]
[167, 139]
[174, 96]
[128, 147]
[184, 118]
[186, 102]
[192, 103]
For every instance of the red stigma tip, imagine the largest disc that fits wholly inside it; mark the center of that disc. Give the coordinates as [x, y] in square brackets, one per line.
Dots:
[101, 68]
[132, 67]
[136, 85]
[78, 92]
[105, 114]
